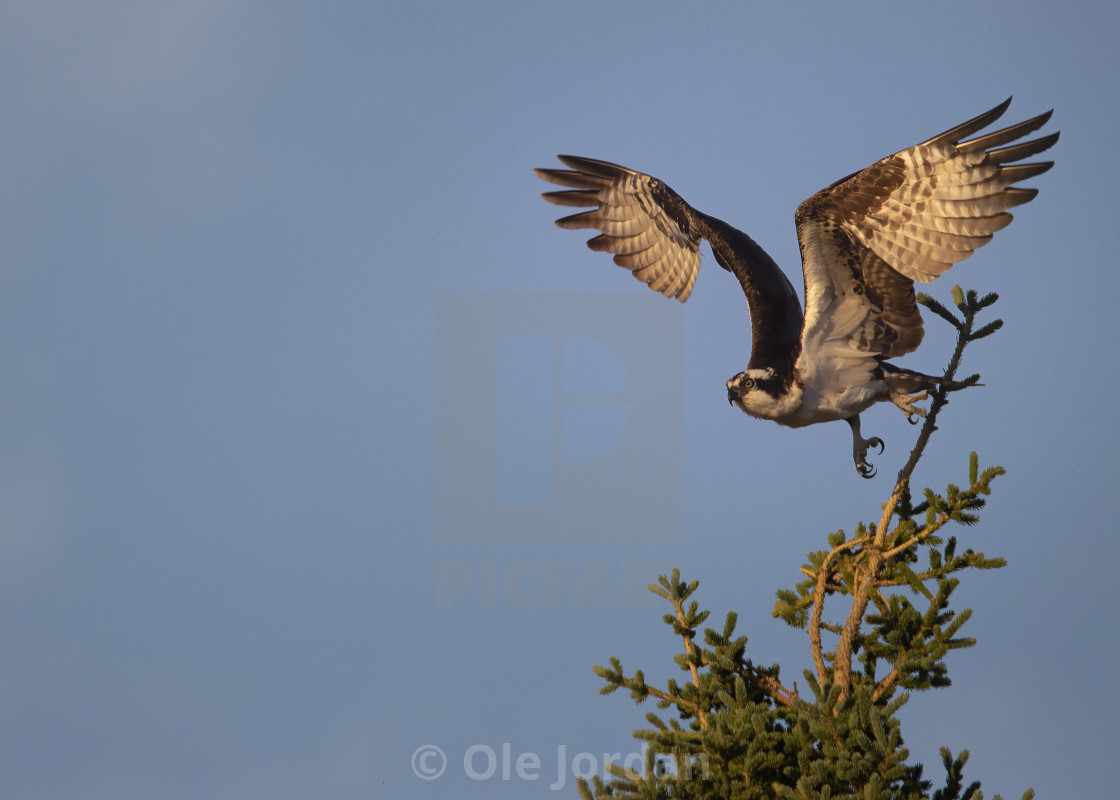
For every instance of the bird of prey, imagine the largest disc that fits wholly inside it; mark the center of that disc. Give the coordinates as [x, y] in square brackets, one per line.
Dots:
[864, 241]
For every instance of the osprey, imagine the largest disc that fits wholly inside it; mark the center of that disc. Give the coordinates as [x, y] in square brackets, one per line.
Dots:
[864, 241]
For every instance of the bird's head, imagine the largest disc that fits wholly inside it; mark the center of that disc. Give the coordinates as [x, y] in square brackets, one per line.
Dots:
[744, 389]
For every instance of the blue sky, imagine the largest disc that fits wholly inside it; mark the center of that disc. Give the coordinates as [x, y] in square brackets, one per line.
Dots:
[322, 444]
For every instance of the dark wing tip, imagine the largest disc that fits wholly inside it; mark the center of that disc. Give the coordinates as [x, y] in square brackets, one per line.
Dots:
[1021, 172]
[593, 166]
[1044, 117]
[973, 125]
[580, 198]
[585, 219]
[572, 180]
[1017, 195]
[1017, 152]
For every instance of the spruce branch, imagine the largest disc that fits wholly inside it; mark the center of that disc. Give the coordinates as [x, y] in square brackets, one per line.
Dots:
[741, 733]
[969, 304]
[616, 679]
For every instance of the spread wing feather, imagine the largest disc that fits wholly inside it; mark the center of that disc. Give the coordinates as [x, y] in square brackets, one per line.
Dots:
[908, 217]
[864, 241]
[640, 220]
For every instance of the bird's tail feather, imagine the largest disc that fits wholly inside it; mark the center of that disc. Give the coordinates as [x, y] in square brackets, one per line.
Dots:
[909, 381]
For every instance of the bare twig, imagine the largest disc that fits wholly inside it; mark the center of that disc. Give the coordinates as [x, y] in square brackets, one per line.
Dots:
[681, 703]
[815, 621]
[867, 574]
[774, 688]
[820, 589]
[883, 686]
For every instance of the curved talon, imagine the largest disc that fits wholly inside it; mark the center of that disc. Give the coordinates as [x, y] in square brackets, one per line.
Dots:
[859, 448]
[864, 467]
[913, 419]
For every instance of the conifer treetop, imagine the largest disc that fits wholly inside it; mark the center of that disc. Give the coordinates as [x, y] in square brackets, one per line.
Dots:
[738, 731]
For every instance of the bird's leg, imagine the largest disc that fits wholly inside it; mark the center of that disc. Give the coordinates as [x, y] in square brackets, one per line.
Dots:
[859, 448]
[906, 403]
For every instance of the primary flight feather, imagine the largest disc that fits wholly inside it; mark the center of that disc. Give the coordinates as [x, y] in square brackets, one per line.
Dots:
[864, 241]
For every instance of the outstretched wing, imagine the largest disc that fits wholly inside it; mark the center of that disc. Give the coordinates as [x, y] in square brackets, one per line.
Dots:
[908, 217]
[639, 219]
